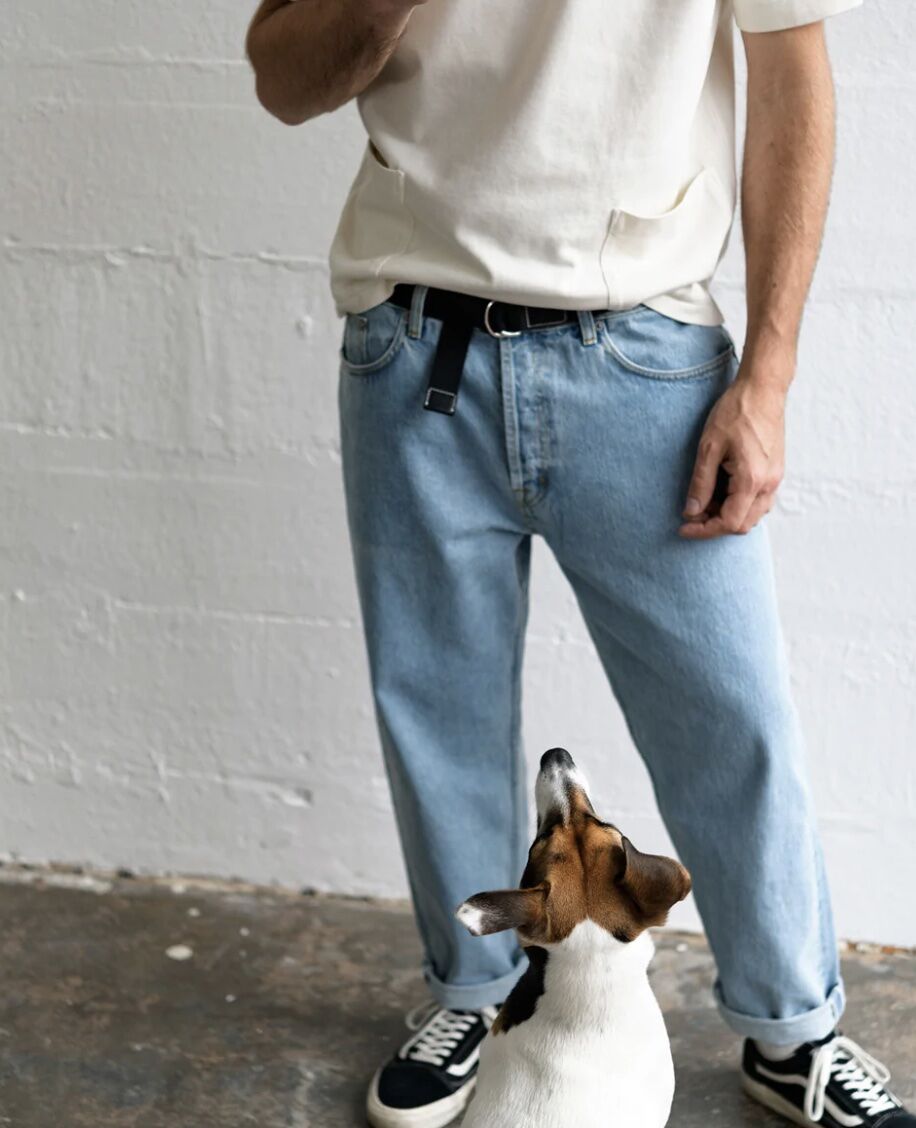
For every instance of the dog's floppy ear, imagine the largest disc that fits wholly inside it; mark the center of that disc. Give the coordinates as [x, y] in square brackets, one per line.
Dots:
[505, 908]
[654, 883]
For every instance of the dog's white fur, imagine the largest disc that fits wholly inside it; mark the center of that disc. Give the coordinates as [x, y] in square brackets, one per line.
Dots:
[550, 788]
[595, 1053]
[471, 918]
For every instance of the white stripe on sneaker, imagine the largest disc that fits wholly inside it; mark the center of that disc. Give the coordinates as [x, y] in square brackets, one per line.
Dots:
[463, 1068]
[838, 1115]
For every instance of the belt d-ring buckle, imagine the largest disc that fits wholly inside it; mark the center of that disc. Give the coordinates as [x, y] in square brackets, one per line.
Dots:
[497, 332]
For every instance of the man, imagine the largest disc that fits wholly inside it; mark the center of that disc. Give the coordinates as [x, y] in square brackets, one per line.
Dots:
[531, 347]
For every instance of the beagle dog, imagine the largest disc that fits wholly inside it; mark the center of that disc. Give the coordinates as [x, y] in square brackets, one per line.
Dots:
[580, 1042]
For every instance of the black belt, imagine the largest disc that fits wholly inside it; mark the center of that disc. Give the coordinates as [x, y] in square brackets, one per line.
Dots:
[460, 315]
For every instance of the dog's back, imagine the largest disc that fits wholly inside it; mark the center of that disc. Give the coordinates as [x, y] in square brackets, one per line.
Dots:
[593, 1053]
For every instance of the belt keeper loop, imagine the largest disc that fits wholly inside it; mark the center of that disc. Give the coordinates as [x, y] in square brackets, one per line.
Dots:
[415, 320]
[587, 327]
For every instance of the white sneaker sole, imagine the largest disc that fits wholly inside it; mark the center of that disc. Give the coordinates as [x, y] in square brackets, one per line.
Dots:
[764, 1095]
[435, 1115]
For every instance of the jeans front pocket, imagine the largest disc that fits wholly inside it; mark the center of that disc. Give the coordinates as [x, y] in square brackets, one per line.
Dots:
[652, 345]
[372, 339]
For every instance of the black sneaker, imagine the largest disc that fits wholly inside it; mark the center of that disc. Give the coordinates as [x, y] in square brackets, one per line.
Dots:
[430, 1079]
[833, 1083]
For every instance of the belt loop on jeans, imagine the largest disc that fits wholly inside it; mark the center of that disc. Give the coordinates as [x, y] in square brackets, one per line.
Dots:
[415, 321]
[587, 327]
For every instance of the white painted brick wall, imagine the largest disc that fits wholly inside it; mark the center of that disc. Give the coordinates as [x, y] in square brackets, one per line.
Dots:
[182, 681]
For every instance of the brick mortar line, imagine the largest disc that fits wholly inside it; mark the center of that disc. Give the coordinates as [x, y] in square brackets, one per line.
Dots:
[190, 252]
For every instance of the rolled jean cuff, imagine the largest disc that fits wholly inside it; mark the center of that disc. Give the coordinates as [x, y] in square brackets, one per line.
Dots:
[808, 1027]
[474, 995]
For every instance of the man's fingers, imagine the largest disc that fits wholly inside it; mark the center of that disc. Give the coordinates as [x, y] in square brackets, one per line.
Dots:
[709, 529]
[730, 518]
[721, 526]
[761, 507]
[703, 483]
[743, 493]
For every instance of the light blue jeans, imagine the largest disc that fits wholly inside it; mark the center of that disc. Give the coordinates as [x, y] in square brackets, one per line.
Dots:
[584, 434]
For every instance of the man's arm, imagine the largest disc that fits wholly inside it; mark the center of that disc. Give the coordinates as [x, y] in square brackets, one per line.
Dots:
[788, 163]
[312, 56]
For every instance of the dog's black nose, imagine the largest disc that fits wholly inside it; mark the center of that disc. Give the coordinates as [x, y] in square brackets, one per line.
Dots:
[556, 758]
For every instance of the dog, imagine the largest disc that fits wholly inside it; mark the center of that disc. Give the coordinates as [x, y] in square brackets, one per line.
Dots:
[580, 1042]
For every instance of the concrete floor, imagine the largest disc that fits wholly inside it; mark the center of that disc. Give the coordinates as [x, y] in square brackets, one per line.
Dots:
[284, 1005]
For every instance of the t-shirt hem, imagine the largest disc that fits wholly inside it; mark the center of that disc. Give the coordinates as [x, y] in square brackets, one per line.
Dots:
[779, 15]
[704, 312]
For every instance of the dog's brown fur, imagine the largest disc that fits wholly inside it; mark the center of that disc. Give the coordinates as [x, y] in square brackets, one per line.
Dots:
[579, 868]
[582, 868]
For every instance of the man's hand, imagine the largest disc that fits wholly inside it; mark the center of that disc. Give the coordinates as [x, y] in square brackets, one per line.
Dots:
[742, 449]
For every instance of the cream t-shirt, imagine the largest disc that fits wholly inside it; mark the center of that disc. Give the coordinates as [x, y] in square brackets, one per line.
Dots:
[577, 154]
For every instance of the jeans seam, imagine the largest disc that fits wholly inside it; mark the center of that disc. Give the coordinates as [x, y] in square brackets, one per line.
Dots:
[510, 420]
[515, 736]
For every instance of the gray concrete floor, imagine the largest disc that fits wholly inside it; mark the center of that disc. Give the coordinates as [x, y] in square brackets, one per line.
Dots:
[285, 1006]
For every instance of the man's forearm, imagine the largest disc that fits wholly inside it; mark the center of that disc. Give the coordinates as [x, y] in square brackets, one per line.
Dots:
[788, 162]
[311, 56]
[788, 165]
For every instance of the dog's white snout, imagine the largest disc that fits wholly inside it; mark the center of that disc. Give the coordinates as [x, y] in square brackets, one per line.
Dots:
[557, 776]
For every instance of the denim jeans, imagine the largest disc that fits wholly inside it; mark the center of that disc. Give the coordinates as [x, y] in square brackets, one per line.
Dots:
[584, 434]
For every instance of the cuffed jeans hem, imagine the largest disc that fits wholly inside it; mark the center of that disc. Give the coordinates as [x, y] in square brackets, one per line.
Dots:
[475, 995]
[808, 1027]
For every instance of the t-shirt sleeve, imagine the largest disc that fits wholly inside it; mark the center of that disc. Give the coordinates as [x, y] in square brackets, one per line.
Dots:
[776, 15]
